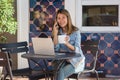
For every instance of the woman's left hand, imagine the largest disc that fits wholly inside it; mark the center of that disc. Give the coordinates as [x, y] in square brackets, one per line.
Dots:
[67, 38]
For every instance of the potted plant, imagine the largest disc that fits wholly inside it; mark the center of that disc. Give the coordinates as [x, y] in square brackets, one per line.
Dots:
[8, 24]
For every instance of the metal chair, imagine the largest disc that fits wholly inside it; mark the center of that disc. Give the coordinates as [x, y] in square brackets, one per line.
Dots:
[13, 48]
[17, 48]
[88, 47]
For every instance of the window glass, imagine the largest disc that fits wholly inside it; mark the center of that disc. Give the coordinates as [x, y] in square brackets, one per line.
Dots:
[100, 15]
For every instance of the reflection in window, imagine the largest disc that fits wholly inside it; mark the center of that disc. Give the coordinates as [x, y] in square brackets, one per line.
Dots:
[102, 15]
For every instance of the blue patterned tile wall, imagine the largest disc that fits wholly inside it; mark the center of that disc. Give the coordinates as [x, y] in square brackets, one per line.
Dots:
[109, 52]
[109, 45]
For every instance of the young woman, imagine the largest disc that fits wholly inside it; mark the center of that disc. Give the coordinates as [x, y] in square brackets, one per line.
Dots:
[64, 26]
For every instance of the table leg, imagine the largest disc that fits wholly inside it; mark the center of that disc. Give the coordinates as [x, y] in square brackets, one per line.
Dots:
[46, 75]
[58, 67]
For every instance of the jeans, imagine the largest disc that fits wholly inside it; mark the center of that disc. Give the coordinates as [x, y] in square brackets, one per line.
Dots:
[66, 70]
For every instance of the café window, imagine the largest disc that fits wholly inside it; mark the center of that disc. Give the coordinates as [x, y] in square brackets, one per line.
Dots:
[98, 16]
[103, 15]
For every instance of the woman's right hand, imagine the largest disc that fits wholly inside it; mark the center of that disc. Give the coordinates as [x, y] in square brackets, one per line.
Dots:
[55, 33]
[55, 29]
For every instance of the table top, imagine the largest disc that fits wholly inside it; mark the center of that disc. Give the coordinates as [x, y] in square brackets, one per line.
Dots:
[57, 56]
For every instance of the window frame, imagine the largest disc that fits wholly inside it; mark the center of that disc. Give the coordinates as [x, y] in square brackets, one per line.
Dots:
[80, 3]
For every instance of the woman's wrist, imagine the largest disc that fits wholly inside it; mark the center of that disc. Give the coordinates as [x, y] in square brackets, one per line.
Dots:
[67, 43]
[69, 46]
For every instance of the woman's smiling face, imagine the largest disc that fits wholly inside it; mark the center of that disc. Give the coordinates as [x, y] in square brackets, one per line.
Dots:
[62, 20]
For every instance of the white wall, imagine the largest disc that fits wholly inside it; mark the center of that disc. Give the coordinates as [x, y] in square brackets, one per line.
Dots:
[70, 6]
[23, 27]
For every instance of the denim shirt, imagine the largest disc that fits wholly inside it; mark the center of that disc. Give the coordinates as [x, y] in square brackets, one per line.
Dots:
[75, 40]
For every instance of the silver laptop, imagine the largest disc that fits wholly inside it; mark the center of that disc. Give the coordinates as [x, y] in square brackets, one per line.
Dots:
[43, 46]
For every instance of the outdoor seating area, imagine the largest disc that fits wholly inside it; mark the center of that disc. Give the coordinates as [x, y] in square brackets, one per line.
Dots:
[59, 40]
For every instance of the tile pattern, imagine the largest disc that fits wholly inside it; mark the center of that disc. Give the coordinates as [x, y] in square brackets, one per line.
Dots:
[48, 8]
[109, 52]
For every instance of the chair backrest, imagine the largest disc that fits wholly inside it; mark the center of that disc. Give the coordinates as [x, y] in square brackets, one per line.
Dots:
[43, 35]
[90, 50]
[13, 48]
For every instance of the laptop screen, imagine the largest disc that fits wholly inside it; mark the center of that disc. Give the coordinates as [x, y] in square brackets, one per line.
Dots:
[43, 46]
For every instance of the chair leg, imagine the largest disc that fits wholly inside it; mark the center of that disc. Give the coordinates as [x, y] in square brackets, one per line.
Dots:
[5, 73]
[11, 76]
[46, 77]
[97, 76]
[10, 71]
[78, 75]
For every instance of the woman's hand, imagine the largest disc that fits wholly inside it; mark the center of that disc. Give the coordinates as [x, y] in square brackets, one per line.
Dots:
[67, 38]
[55, 33]
[55, 29]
